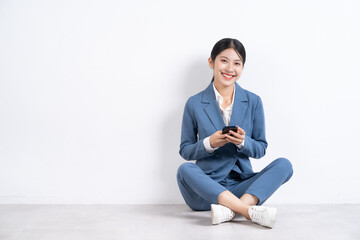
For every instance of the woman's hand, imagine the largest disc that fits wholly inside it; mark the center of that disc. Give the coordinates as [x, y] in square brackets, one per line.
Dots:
[218, 139]
[235, 137]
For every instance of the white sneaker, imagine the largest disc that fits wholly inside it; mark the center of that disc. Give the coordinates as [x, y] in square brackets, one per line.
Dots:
[220, 213]
[264, 216]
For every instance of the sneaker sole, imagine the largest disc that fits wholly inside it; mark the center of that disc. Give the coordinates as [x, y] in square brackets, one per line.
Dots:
[212, 215]
[273, 217]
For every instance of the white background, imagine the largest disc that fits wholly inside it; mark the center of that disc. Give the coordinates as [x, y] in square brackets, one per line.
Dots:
[92, 94]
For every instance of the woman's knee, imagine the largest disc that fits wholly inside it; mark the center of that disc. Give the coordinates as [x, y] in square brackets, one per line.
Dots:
[285, 165]
[184, 169]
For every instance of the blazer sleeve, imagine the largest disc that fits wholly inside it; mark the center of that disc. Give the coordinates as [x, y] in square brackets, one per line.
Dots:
[256, 144]
[190, 147]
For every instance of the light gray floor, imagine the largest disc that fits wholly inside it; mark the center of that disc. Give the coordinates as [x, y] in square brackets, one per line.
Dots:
[103, 222]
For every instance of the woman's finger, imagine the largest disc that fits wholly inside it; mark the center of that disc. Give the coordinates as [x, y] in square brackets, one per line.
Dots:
[240, 130]
[236, 140]
[237, 135]
[233, 139]
[222, 136]
[243, 132]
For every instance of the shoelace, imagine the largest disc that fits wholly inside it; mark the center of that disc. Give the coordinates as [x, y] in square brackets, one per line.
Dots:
[256, 214]
[226, 213]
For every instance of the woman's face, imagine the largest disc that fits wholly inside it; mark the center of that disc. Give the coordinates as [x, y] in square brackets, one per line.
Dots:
[227, 67]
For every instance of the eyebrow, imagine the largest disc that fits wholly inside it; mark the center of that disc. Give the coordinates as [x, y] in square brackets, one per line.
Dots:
[235, 59]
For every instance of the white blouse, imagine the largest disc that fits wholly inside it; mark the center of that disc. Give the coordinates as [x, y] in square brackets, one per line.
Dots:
[226, 114]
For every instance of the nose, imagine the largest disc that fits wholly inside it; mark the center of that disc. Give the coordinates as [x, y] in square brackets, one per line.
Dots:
[229, 67]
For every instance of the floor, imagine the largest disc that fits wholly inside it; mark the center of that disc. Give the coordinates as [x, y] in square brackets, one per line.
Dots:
[103, 222]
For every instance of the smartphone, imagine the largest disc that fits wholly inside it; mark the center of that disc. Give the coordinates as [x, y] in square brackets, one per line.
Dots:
[228, 128]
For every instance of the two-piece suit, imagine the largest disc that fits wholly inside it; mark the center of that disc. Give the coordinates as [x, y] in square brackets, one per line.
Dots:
[202, 117]
[206, 178]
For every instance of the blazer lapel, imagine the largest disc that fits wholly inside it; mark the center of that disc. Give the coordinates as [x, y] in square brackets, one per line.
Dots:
[212, 108]
[239, 107]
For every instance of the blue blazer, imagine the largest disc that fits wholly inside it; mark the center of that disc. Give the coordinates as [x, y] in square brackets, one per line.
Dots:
[202, 117]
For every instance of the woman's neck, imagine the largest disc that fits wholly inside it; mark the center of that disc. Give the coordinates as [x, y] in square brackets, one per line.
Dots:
[225, 91]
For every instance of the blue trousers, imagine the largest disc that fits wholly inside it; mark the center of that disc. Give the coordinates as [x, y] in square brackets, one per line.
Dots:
[200, 191]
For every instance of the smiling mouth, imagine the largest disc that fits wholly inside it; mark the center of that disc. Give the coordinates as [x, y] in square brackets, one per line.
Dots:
[228, 76]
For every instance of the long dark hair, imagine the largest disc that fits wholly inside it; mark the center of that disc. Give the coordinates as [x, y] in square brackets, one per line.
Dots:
[226, 43]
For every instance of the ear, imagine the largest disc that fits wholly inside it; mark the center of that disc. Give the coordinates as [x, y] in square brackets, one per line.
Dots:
[211, 64]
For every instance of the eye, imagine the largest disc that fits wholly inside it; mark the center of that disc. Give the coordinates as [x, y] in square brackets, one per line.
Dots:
[223, 60]
[238, 64]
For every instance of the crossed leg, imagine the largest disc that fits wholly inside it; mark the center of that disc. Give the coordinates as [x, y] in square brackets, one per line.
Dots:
[238, 205]
[200, 191]
[257, 189]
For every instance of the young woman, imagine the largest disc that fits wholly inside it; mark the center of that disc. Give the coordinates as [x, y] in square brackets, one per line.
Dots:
[222, 178]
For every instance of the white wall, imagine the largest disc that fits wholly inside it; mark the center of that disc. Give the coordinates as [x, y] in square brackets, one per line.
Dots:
[92, 94]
